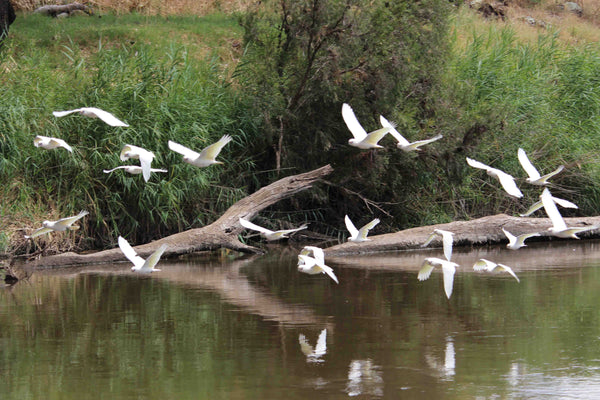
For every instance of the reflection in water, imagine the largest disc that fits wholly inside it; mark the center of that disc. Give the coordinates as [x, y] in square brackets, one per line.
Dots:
[445, 369]
[314, 354]
[364, 377]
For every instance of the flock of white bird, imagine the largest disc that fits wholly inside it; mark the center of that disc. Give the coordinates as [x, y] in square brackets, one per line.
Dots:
[311, 259]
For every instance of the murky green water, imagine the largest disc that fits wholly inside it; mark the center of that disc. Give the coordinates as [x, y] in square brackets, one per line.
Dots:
[257, 329]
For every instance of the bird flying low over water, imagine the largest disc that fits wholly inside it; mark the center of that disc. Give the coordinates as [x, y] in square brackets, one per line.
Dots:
[145, 157]
[506, 180]
[359, 235]
[489, 266]
[404, 144]
[50, 143]
[447, 240]
[206, 157]
[311, 260]
[61, 225]
[132, 169]
[538, 204]
[139, 264]
[362, 139]
[534, 176]
[559, 227]
[93, 112]
[269, 234]
[516, 242]
[448, 269]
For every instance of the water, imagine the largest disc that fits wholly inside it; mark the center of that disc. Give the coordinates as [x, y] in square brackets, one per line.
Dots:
[257, 329]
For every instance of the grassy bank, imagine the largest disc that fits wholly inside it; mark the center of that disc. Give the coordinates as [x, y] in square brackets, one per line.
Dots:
[505, 85]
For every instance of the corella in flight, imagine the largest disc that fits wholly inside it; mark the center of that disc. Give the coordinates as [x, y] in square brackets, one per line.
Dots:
[361, 139]
[145, 157]
[534, 176]
[139, 264]
[269, 234]
[559, 227]
[447, 240]
[404, 144]
[538, 204]
[93, 112]
[359, 235]
[50, 143]
[448, 270]
[311, 260]
[516, 242]
[132, 169]
[489, 266]
[506, 180]
[206, 157]
[61, 225]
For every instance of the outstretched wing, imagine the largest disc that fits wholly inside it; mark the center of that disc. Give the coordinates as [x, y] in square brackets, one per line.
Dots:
[364, 231]
[211, 152]
[425, 271]
[130, 253]
[350, 226]
[146, 158]
[288, 231]
[448, 269]
[249, 225]
[552, 211]
[68, 221]
[184, 151]
[483, 264]
[317, 253]
[151, 261]
[508, 183]
[63, 113]
[509, 270]
[527, 165]
[387, 124]
[477, 164]
[352, 123]
[327, 269]
[416, 144]
[105, 116]
[61, 143]
[38, 232]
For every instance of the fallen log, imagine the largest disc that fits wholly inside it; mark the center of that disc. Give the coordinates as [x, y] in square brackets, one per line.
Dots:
[68, 9]
[485, 230]
[221, 233]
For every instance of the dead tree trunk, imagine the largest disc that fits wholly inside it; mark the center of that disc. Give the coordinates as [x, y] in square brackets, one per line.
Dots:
[221, 233]
[67, 9]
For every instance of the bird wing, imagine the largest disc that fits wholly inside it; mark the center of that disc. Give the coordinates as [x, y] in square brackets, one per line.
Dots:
[108, 171]
[430, 238]
[68, 221]
[508, 183]
[61, 143]
[38, 232]
[447, 240]
[305, 347]
[416, 144]
[130, 253]
[317, 252]
[249, 225]
[509, 270]
[523, 237]
[511, 238]
[63, 113]
[425, 270]
[483, 264]
[288, 231]
[375, 136]
[364, 231]
[184, 151]
[211, 152]
[146, 158]
[477, 164]
[158, 170]
[448, 268]
[534, 207]
[328, 270]
[105, 116]
[39, 140]
[552, 211]
[527, 165]
[321, 347]
[551, 174]
[352, 123]
[386, 124]
[564, 203]
[128, 148]
[151, 261]
[350, 226]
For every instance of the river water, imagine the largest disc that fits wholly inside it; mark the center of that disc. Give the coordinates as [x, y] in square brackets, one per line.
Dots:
[255, 328]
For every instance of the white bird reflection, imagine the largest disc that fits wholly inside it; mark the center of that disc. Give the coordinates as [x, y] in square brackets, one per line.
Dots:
[364, 378]
[314, 354]
[445, 369]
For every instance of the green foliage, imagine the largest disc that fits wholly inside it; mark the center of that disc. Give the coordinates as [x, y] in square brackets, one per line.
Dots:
[163, 94]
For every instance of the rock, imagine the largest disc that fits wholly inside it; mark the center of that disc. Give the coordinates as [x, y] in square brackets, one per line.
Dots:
[530, 20]
[574, 8]
[7, 17]
[490, 8]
